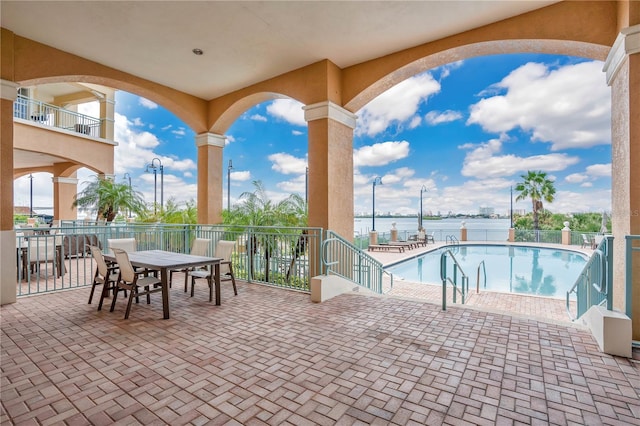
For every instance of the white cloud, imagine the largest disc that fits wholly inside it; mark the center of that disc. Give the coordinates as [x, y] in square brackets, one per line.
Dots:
[398, 175]
[568, 107]
[398, 105]
[380, 154]
[482, 162]
[241, 176]
[258, 117]
[599, 170]
[288, 110]
[179, 132]
[296, 185]
[437, 117]
[297, 133]
[287, 164]
[576, 178]
[147, 103]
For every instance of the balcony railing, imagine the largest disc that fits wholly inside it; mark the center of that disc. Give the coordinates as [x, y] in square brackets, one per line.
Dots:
[54, 116]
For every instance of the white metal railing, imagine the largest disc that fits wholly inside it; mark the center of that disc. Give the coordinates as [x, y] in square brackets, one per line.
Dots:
[54, 116]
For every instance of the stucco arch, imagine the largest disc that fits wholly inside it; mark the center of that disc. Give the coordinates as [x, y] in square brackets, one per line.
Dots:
[231, 114]
[65, 67]
[579, 49]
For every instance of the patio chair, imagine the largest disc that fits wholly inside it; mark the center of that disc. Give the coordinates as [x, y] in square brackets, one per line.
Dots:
[128, 279]
[431, 238]
[224, 249]
[585, 241]
[126, 244]
[107, 276]
[200, 247]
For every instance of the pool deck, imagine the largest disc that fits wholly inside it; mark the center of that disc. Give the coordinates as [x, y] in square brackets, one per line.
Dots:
[545, 308]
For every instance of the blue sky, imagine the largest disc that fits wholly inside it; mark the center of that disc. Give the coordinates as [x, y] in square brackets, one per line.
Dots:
[466, 131]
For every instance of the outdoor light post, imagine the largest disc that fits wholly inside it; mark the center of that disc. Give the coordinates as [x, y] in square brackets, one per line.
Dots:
[422, 191]
[153, 166]
[376, 180]
[31, 195]
[306, 189]
[128, 176]
[229, 168]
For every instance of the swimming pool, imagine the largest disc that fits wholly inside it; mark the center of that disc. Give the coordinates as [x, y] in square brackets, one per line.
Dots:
[514, 269]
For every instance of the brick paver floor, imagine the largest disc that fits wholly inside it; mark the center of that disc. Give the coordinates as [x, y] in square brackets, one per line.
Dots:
[270, 356]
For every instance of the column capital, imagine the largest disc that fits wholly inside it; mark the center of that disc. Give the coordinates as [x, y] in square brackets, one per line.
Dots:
[212, 139]
[328, 109]
[627, 43]
[8, 90]
[60, 179]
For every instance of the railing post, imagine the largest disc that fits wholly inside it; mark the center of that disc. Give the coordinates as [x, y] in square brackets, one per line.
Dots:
[443, 267]
[608, 241]
[628, 261]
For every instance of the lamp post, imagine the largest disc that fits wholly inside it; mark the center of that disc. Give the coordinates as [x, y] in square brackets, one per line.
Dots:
[229, 168]
[31, 195]
[511, 209]
[306, 189]
[128, 176]
[153, 166]
[422, 191]
[376, 180]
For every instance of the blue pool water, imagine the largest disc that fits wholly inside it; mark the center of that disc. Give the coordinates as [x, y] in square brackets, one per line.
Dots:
[515, 269]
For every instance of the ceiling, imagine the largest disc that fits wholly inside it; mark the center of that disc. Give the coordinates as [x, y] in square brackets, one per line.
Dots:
[244, 42]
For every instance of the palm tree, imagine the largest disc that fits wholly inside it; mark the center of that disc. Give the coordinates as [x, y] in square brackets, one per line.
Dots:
[256, 209]
[538, 187]
[107, 197]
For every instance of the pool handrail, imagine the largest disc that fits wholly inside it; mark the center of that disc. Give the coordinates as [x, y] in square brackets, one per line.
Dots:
[454, 282]
[593, 287]
[484, 271]
[452, 239]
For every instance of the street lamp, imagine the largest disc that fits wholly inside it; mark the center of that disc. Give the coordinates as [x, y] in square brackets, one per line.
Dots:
[511, 210]
[128, 176]
[229, 185]
[306, 189]
[31, 195]
[376, 180]
[153, 166]
[422, 191]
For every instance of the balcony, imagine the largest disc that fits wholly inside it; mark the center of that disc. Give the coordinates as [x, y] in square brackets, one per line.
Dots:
[53, 116]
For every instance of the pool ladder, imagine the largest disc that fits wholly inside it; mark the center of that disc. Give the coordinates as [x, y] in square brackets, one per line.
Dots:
[463, 288]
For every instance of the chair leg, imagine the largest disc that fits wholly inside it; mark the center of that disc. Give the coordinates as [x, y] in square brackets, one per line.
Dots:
[134, 291]
[93, 287]
[115, 296]
[103, 294]
[233, 280]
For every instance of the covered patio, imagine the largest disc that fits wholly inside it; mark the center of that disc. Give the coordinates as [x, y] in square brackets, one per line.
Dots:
[270, 356]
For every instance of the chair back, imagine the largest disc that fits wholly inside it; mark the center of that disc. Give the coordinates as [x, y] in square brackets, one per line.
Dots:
[103, 270]
[126, 269]
[126, 244]
[200, 246]
[224, 249]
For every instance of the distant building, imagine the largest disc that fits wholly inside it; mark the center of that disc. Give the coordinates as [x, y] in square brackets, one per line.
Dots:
[486, 211]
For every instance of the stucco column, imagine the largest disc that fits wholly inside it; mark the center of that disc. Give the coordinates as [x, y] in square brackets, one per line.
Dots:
[210, 148]
[107, 114]
[64, 191]
[8, 94]
[331, 167]
[623, 75]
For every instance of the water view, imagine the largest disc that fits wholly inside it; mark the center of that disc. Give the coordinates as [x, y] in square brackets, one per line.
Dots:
[514, 269]
[477, 229]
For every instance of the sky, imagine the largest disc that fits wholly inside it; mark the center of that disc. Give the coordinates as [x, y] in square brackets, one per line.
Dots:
[465, 131]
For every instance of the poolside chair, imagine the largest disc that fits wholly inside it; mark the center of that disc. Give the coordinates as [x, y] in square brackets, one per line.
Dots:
[431, 238]
[126, 244]
[585, 241]
[200, 247]
[224, 249]
[107, 276]
[128, 279]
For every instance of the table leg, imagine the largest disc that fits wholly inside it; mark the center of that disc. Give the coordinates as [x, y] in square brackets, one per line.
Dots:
[164, 273]
[217, 282]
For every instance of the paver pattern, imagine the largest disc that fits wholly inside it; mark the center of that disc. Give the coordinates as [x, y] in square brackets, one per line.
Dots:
[270, 356]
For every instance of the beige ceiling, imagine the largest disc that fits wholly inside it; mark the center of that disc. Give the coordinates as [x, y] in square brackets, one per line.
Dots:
[244, 42]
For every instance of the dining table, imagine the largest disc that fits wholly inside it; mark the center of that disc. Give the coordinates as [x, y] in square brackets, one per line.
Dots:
[165, 261]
